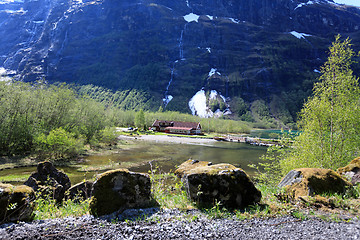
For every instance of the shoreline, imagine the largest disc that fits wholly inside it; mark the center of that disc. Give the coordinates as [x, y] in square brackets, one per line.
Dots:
[169, 139]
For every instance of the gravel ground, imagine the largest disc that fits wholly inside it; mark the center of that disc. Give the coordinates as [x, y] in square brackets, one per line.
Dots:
[172, 224]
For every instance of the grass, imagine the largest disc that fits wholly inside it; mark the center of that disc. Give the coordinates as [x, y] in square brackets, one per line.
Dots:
[168, 191]
[48, 209]
[14, 178]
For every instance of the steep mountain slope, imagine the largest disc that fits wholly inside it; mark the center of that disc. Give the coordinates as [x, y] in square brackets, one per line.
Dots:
[186, 55]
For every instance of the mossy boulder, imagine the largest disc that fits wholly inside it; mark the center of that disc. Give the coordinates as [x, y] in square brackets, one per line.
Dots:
[313, 181]
[49, 181]
[220, 183]
[352, 171]
[189, 165]
[16, 203]
[120, 189]
[80, 191]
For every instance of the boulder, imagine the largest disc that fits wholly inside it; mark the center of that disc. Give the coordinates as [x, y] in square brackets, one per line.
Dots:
[220, 183]
[80, 191]
[16, 203]
[120, 189]
[49, 182]
[312, 181]
[351, 171]
[189, 165]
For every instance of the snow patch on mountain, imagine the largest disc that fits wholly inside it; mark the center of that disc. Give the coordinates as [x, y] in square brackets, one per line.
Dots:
[213, 71]
[191, 17]
[213, 94]
[234, 20]
[197, 105]
[210, 17]
[304, 4]
[167, 99]
[299, 35]
[11, 1]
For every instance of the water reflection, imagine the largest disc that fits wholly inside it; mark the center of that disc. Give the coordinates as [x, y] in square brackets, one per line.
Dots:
[138, 156]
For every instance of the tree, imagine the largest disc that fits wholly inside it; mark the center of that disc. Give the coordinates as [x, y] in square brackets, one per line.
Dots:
[330, 119]
[140, 120]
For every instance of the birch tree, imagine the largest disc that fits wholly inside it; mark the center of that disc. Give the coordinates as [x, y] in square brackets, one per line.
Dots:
[330, 119]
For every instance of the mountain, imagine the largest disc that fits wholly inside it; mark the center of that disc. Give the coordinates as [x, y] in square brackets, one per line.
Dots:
[208, 57]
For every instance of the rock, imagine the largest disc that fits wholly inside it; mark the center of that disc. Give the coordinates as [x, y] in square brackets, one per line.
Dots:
[80, 191]
[318, 201]
[351, 171]
[312, 181]
[222, 183]
[49, 182]
[189, 165]
[118, 190]
[16, 203]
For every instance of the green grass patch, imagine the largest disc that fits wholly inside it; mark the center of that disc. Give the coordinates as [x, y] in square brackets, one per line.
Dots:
[49, 209]
[14, 178]
[168, 191]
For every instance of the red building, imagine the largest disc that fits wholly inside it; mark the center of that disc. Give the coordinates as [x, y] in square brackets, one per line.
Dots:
[189, 128]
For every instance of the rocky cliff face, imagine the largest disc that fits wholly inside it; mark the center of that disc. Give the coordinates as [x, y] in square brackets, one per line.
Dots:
[171, 50]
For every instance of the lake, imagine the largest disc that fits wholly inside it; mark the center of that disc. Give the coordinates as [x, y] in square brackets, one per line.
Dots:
[141, 156]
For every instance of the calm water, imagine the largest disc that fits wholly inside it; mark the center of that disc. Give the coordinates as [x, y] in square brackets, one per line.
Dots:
[141, 156]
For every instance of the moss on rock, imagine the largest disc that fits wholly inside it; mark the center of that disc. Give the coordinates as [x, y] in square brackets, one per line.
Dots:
[313, 181]
[16, 203]
[49, 181]
[352, 166]
[189, 165]
[120, 189]
[220, 183]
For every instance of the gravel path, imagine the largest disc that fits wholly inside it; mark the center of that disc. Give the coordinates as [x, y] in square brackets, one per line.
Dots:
[172, 224]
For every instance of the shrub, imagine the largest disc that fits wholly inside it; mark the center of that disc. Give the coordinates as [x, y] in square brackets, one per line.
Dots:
[58, 144]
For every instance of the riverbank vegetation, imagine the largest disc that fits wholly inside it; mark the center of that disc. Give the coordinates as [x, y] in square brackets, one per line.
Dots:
[56, 122]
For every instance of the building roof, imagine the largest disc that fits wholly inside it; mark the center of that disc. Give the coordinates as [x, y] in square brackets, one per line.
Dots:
[179, 128]
[195, 125]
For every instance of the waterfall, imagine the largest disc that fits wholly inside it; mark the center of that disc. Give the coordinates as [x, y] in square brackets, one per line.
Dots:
[167, 98]
[181, 49]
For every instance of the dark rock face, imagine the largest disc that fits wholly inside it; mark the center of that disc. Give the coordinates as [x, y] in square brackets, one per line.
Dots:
[16, 203]
[143, 44]
[220, 183]
[118, 190]
[80, 191]
[49, 181]
[312, 181]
